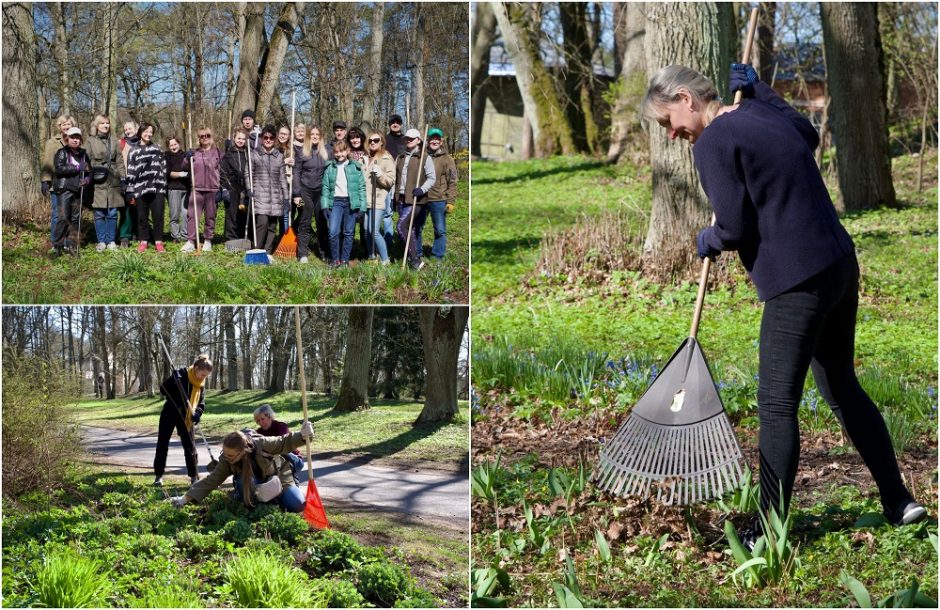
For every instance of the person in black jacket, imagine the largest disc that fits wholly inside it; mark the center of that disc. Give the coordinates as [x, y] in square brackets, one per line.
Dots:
[185, 402]
[311, 158]
[72, 179]
[755, 160]
[234, 167]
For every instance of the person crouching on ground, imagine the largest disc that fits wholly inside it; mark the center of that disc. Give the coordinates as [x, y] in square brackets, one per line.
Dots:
[755, 160]
[268, 426]
[185, 402]
[344, 194]
[260, 472]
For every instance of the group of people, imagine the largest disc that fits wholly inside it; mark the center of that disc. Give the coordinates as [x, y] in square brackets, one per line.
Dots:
[268, 180]
[264, 463]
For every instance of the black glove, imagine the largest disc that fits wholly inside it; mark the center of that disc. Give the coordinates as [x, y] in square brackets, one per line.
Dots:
[188, 154]
[225, 195]
[123, 185]
[249, 193]
[743, 77]
[418, 193]
[196, 417]
[704, 250]
[45, 186]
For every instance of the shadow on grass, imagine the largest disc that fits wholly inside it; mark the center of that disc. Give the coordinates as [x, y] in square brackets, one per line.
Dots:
[502, 250]
[579, 167]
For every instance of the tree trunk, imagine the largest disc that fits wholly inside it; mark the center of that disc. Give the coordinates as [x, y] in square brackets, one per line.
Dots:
[420, 47]
[680, 208]
[354, 389]
[274, 57]
[370, 107]
[484, 33]
[281, 347]
[579, 76]
[855, 65]
[250, 49]
[101, 332]
[442, 330]
[231, 350]
[20, 107]
[60, 53]
[631, 84]
[246, 322]
[551, 132]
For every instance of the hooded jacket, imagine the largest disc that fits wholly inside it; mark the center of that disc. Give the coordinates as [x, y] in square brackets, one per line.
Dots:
[105, 151]
[406, 176]
[266, 454]
[445, 188]
[270, 181]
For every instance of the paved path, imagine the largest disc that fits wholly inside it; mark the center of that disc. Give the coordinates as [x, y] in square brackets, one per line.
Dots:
[420, 493]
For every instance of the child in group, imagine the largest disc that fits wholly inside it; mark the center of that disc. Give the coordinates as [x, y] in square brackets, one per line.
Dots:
[344, 194]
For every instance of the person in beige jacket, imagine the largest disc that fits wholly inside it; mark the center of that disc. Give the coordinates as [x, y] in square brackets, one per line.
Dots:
[380, 178]
[47, 169]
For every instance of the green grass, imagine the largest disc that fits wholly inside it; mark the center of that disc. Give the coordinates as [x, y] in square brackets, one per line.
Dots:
[153, 555]
[127, 277]
[384, 433]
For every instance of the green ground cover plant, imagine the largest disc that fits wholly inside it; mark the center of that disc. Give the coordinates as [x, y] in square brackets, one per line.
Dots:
[382, 434]
[541, 406]
[218, 277]
[107, 540]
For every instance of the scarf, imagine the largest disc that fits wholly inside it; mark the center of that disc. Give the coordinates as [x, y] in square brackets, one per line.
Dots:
[195, 387]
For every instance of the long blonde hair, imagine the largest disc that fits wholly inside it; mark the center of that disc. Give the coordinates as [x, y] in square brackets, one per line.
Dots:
[241, 442]
[669, 82]
[381, 150]
[308, 144]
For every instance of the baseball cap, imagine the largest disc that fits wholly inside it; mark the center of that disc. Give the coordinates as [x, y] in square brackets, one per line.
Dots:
[339, 124]
[435, 133]
[73, 131]
[413, 133]
[395, 118]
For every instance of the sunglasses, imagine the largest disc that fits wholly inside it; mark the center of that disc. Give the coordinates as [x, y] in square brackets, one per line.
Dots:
[374, 141]
[205, 135]
[267, 137]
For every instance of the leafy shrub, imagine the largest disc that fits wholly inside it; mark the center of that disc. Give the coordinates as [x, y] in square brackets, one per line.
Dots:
[159, 595]
[36, 426]
[198, 546]
[419, 598]
[237, 531]
[263, 510]
[383, 583]
[147, 545]
[128, 525]
[221, 517]
[258, 580]
[288, 527]
[69, 580]
[340, 593]
[334, 551]
[272, 547]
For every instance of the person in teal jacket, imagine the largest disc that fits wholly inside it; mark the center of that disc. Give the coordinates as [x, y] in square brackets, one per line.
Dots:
[344, 194]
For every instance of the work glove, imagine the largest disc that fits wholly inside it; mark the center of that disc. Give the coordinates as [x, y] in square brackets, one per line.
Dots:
[289, 161]
[375, 170]
[743, 77]
[179, 501]
[188, 154]
[449, 208]
[418, 193]
[306, 430]
[196, 417]
[123, 185]
[249, 193]
[704, 250]
[299, 202]
[182, 174]
[45, 187]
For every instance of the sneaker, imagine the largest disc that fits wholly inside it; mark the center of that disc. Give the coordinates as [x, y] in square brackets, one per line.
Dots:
[912, 512]
[189, 247]
[304, 260]
[160, 247]
[142, 247]
[112, 246]
[418, 266]
[207, 246]
[386, 263]
[100, 247]
[158, 482]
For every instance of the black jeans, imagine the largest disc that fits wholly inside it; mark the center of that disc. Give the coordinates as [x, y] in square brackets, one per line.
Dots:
[304, 219]
[150, 205]
[170, 419]
[813, 324]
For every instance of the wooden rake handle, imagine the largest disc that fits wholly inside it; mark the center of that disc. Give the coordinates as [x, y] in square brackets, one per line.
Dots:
[707, 263]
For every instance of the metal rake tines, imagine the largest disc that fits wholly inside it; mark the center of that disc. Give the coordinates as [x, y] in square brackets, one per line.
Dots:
[684, 464]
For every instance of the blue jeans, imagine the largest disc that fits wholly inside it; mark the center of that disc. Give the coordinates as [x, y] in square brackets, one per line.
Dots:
[296, 464]
[374, 232]
[291, 499]
[342, 218]
[438, 211]
[387, 231]
[413, 253]
[54, 198]
[106, 224]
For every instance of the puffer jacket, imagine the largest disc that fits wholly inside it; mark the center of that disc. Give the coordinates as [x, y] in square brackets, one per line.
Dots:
[270, 181]
[206, 169]
[383, 182]
[105, 151]
[72, 171]
[268, 459]
[445, 188]
[407, 174]
[355, 184]
[51, 147]
[146, 171]
[308, 171]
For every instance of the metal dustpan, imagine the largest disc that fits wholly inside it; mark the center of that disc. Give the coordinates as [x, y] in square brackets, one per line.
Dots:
[677, 438]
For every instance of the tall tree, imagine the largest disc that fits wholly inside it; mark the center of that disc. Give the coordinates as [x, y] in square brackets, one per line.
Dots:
[280, 331]
[630, 29]
[855, 64]
[250, 48]
[354, 389]
[20, 106]
[520, 26]
[273, 58]
[60, 52]
[442, 330]
[374, 76]
[484, 33]
[231, 350]
[680, 207]
[579, 83]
